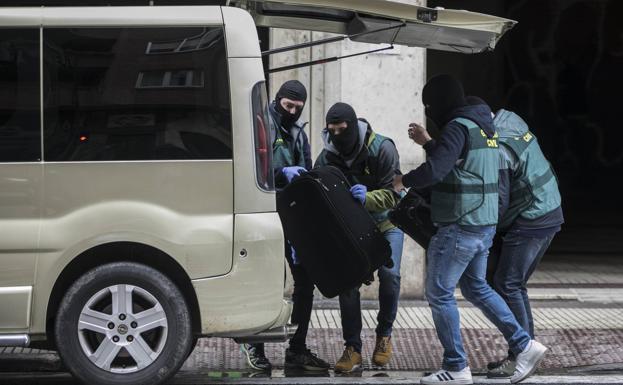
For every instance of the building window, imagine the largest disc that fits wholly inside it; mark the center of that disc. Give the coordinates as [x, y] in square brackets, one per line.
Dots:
[205, 40]
[176, 78]
[106, 99]
[20, 117]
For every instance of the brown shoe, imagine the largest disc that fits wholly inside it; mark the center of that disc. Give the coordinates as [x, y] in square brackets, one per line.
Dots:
[350, 361]
[382, 351]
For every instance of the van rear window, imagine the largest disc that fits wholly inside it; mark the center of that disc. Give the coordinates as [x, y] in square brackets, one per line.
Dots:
[20, 117]
[136, 94]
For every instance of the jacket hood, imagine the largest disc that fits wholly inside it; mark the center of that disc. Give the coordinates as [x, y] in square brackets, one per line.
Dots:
[509, 125]
[479, 114]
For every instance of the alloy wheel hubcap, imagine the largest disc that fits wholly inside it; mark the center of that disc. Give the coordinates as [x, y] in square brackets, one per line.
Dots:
[122, 329]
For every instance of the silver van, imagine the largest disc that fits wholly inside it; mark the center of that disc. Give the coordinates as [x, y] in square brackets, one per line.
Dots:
[137, 207]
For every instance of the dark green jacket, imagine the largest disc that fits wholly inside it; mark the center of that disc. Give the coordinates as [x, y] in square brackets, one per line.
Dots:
[375, 166]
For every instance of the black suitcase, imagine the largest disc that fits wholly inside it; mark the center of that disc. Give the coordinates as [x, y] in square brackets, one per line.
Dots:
[335, 239]
[412, 215]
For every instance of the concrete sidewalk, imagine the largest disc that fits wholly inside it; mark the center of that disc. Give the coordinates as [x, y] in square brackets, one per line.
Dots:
[582, 339]
[279, 378]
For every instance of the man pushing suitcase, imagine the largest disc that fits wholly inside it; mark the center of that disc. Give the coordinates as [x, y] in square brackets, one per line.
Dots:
[370, 162]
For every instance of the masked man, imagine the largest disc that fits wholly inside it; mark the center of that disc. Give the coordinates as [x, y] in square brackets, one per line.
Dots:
[291, 156]
[370, 162]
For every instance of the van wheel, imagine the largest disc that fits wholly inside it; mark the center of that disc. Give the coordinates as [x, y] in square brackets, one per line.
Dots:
[123, 323]
[193, 345]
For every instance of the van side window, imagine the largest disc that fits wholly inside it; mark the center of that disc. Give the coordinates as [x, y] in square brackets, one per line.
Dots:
[20, 113]
[136, 94]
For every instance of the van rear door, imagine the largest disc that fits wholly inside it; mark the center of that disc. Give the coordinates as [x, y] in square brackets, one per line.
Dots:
[416, 26]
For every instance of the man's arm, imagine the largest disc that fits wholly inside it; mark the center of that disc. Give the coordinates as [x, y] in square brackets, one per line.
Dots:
[321, 160]
[388, 166]
[442, 157]
[307, 152]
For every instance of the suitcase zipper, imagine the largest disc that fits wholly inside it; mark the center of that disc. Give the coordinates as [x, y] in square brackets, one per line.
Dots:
[322, 184]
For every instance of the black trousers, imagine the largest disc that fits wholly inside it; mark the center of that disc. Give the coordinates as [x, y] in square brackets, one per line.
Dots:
[302, 301]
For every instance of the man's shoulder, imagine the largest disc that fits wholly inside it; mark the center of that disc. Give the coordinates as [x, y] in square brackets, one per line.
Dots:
[321, 159]
[455, 128]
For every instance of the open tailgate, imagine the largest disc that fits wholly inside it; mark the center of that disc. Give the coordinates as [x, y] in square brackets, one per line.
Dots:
[439, 29]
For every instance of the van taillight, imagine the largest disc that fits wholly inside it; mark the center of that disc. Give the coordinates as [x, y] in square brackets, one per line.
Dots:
[263, 148]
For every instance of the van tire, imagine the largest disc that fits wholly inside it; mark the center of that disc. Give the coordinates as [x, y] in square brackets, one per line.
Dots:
[143, 283]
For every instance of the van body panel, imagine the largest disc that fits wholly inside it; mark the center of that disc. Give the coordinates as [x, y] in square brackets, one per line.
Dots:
[21, 17]
[241, 34]
[132, 16]
[111, 16]
[249, 198]
[249, 298]
[183, 208]
[186, 204]
[15, 305]
[20, 202]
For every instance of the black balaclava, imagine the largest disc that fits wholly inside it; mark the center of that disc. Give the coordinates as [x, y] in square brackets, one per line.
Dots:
[441, 95]
[347, 141]
[293, 90]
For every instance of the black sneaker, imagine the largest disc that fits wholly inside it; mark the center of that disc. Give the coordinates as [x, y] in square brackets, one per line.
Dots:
[255, 357]
[497, 364]
[305, 360]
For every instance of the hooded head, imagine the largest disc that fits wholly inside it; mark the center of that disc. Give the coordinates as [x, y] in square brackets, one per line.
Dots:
[474, 100]
[289, 102]
[343, 129]
[441, 95]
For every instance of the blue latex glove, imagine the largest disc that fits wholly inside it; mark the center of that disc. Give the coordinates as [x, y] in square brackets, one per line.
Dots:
[359, 192]
[291, 172]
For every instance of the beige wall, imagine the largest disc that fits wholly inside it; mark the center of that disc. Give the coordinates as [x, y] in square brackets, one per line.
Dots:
[383, 87]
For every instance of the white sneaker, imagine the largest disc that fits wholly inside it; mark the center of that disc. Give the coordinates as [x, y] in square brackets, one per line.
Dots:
[528, 360]
[463, 377]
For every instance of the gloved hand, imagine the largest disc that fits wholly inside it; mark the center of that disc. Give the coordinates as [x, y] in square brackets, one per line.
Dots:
[291, 172]
[359, 192]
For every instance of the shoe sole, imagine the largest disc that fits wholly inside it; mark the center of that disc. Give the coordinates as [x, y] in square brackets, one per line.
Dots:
[499, 375]
[535, 364]
[451, 382]
[305, 367]
[376, 363]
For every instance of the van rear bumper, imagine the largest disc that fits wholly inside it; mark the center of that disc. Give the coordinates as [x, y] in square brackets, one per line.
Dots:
[280, 331]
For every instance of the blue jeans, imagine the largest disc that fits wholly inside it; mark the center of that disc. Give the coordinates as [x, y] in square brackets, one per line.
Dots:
[510, 268]
[458, 254]
[389, 291]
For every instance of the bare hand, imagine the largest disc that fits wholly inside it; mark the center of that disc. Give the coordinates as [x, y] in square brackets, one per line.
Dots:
[418, 134]
[397, 184]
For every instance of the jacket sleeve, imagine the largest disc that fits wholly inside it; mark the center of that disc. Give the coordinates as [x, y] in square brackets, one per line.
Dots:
[388, 166]
[508, 164]
[280, 178]
[307, 152]
[442, 157]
